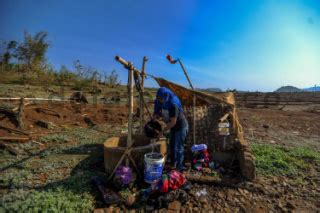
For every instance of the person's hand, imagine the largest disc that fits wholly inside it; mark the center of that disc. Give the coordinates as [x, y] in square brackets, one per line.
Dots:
[156, 117]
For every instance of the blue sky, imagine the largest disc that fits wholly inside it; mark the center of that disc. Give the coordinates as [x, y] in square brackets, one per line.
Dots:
[248, 45]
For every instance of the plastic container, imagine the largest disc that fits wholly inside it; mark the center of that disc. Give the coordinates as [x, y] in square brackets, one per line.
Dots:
[198, 147]
[153, 166]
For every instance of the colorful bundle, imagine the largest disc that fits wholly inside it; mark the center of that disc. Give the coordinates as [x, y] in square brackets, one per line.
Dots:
[200, 159]
[123, 177]
[174, 180]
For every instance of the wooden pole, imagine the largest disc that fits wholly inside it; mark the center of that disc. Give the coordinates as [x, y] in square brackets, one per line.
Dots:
[194, 118]
[141, 105]
[186, 74]
[194, 102]
[20, 114]
[14, 138]
[34, 99]
[130, 85]
[14, 130]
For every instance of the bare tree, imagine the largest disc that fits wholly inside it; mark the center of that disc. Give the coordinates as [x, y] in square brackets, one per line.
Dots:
[112, 79]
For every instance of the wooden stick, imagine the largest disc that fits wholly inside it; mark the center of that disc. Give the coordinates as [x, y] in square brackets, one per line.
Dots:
[41, 144]
[119, 162]
[194, 102]
[203, 179]
[194, 119]
[20, 114]
[138, 87]
[130, 119]
[134, 164]
[17, 108]
[39, 109]
[141, 104]
[126, 64]
[34, 99]
[14, 130]
[8, 138]
[186, 74]
[223, 118]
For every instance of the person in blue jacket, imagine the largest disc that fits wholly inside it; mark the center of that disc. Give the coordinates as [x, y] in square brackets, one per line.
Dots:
[168, 107]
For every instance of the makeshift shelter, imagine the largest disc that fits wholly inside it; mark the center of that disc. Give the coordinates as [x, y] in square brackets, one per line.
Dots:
[210, 110]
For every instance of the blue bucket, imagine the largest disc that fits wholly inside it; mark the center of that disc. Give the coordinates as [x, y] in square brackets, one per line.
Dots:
[153, 166]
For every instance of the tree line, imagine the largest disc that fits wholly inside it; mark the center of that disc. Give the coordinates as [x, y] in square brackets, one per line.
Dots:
[28, 59]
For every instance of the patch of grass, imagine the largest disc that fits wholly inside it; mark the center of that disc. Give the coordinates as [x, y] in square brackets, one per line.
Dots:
[279, 160]
[55, 138]
[15, 177]
[56, 200]
[58, 181]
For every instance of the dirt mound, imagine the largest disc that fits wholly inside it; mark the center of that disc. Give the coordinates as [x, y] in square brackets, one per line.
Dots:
[67, 114]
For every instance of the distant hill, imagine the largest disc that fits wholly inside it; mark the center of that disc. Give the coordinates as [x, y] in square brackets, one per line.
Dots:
[288, 89]
[212, 90]
[312, 89]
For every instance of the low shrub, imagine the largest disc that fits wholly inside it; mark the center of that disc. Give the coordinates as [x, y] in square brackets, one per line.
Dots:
[271, 159]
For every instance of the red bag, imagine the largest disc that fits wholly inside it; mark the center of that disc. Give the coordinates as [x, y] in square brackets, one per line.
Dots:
[176, 179]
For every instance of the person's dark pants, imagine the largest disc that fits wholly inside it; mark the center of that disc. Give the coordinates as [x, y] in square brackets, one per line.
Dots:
[177, 140]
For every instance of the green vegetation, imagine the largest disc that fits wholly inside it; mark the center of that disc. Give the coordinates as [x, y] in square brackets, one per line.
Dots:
[59, 138]
[271, 159]
[57, 200]
[25, 62]
[57, 179]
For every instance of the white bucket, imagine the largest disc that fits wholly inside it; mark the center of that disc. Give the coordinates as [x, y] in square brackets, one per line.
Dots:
[153, 166]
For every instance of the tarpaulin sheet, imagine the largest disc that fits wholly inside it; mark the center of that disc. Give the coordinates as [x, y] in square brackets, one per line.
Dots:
[202, 98]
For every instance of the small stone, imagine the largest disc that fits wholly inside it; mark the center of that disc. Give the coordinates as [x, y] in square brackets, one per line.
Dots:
[221, 195]
[203, 200]
[98, 210]
[117, 210]
[206, 170]
[175, 205]
[236, 200]
[45, 124]
[109, 210]
[205, 206]
[226, 210]
[134, 189]
[226, 205]
[131, 199]
[291, 205]
[280, 205]
[196, 209]
[149, 207]
[163, 210]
